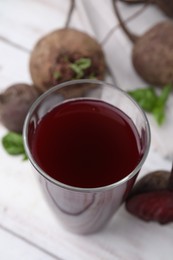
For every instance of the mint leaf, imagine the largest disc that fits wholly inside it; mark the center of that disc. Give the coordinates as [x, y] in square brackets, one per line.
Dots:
[56, 75]
[79, 66]
[83, 63]
[159, 109]
[13, 144]
[145, 97]
[79, 72]
[159, 115]
[151, 102]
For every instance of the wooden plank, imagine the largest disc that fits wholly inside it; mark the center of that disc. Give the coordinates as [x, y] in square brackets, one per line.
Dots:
[24, 211]
[21, 248]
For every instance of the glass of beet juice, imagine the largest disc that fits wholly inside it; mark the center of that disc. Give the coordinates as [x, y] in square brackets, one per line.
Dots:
[87, 140]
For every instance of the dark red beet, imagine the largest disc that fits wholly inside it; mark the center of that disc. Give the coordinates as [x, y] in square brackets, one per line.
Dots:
[152, 53]
[165, 5]
[55, 56]
[15, 102]
[152, 206]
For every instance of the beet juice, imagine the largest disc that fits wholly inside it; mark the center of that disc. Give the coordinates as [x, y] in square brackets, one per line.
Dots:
[86, 143]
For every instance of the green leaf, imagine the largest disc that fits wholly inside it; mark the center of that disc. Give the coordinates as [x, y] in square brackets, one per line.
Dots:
[79, 66]
[160, 107]
[151, 102]
[83, 63]
[13, 144]
[164, 95]
[159, 115]
[77, 70]
[145, 97]
[56, 75]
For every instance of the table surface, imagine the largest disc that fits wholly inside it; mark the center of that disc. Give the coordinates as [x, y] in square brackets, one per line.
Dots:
[28, 228]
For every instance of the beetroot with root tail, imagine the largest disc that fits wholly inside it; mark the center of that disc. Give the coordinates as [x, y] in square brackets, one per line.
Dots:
[152, 53]
[166, 6]
[15, 102]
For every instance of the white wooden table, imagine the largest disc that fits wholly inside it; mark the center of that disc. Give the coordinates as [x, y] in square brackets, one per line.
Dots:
[28, 228]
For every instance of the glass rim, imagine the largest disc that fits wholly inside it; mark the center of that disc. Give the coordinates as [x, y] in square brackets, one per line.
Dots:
[75, 188]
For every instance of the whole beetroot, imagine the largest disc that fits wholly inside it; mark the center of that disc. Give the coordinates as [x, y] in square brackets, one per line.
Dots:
[15, 102]
[152, 53]
[164, 5]
[63, 55]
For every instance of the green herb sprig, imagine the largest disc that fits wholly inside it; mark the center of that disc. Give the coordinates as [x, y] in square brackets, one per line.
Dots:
[13, 144]
[57, 75]
[152, 102]
[79, 66]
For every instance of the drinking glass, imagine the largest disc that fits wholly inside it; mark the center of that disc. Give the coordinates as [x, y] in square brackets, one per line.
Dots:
[86, 210]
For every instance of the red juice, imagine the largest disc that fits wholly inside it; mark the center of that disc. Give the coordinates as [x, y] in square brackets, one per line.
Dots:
[86, 143]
